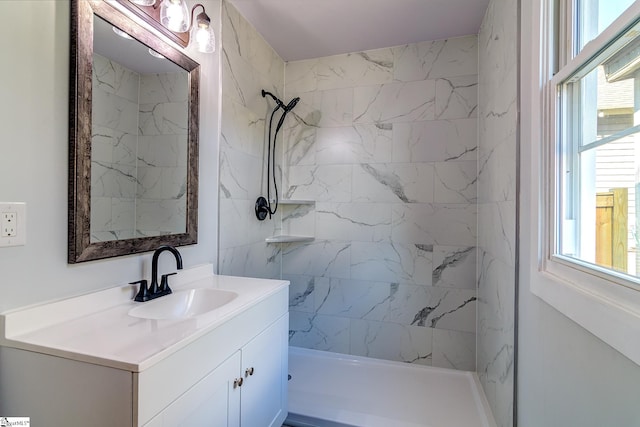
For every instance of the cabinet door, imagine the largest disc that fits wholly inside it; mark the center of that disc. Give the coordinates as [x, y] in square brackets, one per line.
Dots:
[265, 371]
[212, 402]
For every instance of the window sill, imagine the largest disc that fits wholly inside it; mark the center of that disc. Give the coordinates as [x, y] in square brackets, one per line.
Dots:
[609, 311]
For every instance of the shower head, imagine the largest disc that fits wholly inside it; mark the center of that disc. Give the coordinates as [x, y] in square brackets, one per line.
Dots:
[279, 103]
[292, 104]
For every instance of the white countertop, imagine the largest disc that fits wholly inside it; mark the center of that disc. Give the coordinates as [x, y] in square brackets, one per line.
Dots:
[96, 327]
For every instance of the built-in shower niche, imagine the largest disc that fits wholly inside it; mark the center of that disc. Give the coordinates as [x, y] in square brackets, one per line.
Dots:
[298, 222]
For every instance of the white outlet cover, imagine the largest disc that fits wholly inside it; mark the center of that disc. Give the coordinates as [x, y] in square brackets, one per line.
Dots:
[20, 209]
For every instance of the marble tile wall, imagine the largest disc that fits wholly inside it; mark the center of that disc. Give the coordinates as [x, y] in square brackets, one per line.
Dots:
[139, 152]
[249, 65]
[162, 154]
[114, 147]
[497, 206]
[385, 142]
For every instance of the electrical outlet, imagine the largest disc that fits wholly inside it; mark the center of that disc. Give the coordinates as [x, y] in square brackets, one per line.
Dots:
[13, 218]
[8, 224]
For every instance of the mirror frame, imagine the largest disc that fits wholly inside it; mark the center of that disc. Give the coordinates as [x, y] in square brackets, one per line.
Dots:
[80, 248]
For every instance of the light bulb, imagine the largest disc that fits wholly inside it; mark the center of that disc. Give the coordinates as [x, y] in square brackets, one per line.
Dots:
[202, 34]
[174, 15]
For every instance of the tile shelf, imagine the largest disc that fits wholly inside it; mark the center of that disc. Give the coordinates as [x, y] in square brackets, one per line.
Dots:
[296, 202]
[289, 239]
[285, 238]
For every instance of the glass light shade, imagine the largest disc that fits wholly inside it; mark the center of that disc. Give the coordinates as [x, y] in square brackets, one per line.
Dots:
[175, 15]
[121, 33]
[203, 36]
[144, 2]
[155, 54]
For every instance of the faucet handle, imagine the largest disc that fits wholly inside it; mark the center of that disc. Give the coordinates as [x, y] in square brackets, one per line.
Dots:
[143, 293]
[164, 283]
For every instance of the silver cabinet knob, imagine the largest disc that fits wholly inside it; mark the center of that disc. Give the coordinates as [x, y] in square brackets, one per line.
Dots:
[248, 371]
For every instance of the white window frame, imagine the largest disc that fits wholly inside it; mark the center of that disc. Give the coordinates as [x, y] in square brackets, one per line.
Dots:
[604, 303]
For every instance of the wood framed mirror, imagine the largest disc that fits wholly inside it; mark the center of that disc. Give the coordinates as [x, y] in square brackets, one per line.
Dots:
[133, 137]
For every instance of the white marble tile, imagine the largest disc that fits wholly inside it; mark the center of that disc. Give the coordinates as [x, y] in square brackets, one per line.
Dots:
[166, 216]
[355, 69]
[149, 181]
[454, 266]
[327, 333]
[242, 129]
[434, 307]
[329, 183]
[299, 142]
[319, 258]
[457, 97]
[326, 108]
[163, 119]
[435, 141]
[497, 232]
[364, 222]
[102, 144]
[497, 206]
[497, 171]
[455, 182]
[164, 88]
[299, 220]
[114, 112]
[355, 299]
[392, 262]
[391, 341]
[100, 213]
[395, 182]
[259, 260]
[111, 180]
[174, 182]
[113, 78]
[302, 292]
[162, 150]
[394, 102]
[440, 58]
[233, 220]
[454, 350]
[113, 217]
[301, 76]
[370, 143]
[434, 223]
[239, 174]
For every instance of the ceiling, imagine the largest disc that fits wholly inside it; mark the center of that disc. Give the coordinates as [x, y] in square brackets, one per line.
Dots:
[303, 29]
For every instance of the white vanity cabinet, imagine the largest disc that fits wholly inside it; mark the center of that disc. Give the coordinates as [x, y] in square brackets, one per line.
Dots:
[249, 389]
[105, 368]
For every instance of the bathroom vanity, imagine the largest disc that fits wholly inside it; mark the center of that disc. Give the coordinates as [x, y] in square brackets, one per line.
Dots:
[100, 360]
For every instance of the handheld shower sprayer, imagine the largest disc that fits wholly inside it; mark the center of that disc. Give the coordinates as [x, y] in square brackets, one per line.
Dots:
[279, 103]
[263, 205]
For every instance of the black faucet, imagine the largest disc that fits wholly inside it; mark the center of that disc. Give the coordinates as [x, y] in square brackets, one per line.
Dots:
[155, 290]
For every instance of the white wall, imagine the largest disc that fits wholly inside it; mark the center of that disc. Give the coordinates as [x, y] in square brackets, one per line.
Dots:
[34, 83]
[566, 376]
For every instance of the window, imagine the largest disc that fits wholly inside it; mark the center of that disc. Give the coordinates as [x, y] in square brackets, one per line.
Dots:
[580, 152]
[597, 138]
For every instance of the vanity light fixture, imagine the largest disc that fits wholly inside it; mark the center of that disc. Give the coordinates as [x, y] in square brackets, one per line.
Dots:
[174, 16]
[202, 31]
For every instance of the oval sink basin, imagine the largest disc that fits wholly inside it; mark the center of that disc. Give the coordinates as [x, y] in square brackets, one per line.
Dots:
[183, 304]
